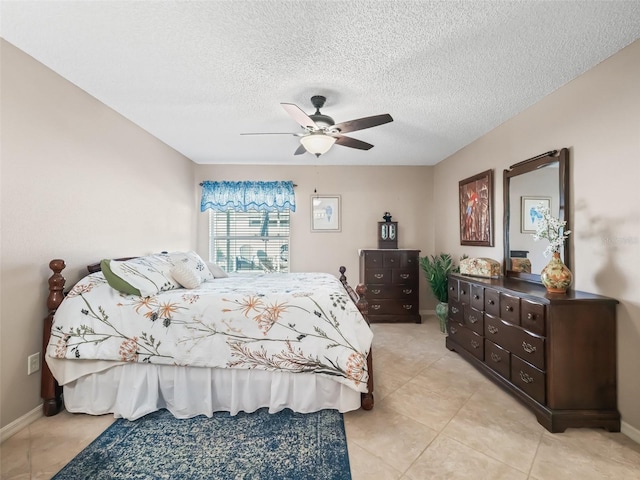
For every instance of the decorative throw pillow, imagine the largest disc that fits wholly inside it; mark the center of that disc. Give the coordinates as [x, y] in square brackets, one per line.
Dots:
[145, 275]
[115, 281]
[194, 262]
[216, 271]
[185, 276]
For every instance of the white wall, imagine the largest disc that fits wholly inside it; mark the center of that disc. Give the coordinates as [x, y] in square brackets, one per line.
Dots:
[596, 116]
[79, 182]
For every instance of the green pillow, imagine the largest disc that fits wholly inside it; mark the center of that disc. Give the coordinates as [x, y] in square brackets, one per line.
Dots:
[115, 281]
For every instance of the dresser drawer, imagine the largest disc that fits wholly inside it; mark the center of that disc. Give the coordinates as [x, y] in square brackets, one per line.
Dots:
[477, 297]
[464, 294]
[378, 276]
[510, 308]
[528, 378]
[474, 320]
[516, 340]
[492, 302]
[373, 259]
[497, 358]
[404, 276]
[453, 289]
[409, 260]
[375, 291]
[456, 311]
[391, 259]
[467, 339]
[393, 307]
[532, 316]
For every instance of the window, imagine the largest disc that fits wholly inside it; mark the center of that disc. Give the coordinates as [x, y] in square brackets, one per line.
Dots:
[249, 241]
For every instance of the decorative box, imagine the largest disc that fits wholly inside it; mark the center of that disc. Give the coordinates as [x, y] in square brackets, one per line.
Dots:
[521, 265]
[480, 267]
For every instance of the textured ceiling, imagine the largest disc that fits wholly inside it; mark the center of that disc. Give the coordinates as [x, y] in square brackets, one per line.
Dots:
[197, 74]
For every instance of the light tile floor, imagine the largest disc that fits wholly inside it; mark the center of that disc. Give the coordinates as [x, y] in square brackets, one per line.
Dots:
[435, 417]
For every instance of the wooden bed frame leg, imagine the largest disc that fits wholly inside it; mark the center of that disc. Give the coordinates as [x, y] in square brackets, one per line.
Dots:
[50, 391]
[359, 298]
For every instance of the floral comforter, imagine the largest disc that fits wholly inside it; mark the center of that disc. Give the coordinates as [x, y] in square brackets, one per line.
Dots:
[296, 322]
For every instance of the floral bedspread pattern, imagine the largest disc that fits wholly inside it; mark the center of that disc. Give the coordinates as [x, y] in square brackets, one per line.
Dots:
[296, 322]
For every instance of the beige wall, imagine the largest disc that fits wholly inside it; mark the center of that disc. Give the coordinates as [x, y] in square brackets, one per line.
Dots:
[596, 116]
[366, 193]
[79, 182]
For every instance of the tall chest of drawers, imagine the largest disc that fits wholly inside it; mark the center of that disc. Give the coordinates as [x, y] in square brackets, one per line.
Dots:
[554, 352]
[391, 278]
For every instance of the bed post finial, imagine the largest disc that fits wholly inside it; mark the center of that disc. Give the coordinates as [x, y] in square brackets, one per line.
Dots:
[50, 391]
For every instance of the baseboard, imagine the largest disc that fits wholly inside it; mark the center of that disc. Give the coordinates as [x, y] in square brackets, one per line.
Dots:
[631, 432]
[24, 421]
[425, 313]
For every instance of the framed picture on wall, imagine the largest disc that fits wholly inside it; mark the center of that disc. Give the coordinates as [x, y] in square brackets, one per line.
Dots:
[529, 216]
[476, 209]
[325, 213]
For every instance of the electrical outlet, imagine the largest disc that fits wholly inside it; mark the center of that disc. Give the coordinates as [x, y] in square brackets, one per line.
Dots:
[33, 363]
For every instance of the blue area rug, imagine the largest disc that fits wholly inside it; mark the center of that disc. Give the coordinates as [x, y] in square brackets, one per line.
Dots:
[258, 445]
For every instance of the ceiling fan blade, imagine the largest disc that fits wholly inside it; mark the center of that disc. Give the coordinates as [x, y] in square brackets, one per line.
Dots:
[300, 150]
[352, 142]
[274, 133]
[299, 116]
[362, 123]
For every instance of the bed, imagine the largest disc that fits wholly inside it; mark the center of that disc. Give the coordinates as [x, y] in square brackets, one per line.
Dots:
[233, 343]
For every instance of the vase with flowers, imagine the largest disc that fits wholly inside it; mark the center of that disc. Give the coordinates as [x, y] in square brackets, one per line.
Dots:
[556, 277]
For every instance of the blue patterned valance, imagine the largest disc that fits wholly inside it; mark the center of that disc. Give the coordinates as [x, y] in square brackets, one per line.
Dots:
[245, 196]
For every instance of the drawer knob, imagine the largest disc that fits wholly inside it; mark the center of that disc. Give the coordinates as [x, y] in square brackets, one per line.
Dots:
[527, 347]
[491, 302]
[407, 307]
[492, 329]
[475, 344]
[530, 316]
[495, 357]
[404, 276]
[375, 292]
[509, 308]
[379, 275]
[473, 318]
[454, 310]
[451, 289]
[462, 292]
[375, 307]
[454, 330]
[476, 297]
[407, 291]
[525, 377]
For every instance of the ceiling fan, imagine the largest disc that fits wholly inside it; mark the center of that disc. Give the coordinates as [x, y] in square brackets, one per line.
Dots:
[320, 131]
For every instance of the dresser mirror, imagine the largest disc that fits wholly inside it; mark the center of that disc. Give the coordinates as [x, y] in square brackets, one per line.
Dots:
[541, 179]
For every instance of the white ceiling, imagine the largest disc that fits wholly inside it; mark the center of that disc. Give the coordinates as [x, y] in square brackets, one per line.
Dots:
[197, 74]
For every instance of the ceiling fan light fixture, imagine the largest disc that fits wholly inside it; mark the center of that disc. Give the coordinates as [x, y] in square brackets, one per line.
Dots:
[317, 143]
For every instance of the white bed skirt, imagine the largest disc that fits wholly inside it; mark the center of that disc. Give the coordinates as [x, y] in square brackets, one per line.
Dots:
[133, 390]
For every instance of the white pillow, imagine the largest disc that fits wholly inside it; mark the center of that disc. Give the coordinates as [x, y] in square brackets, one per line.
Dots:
[185, 276]
[194, 262]
[216, 271]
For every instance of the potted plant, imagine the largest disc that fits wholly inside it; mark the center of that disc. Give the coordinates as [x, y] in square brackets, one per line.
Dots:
[436, 269]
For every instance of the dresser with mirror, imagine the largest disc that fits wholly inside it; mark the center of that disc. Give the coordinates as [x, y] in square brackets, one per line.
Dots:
[556, 353]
